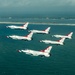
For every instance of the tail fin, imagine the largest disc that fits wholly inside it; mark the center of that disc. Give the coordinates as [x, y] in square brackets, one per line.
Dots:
[61, 40]
[47, 50]
[26, 24]
[70, 34]
[47, 30]
[30, 35]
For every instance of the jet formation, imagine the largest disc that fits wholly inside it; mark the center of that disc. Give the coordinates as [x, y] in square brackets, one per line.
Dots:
[46, 52]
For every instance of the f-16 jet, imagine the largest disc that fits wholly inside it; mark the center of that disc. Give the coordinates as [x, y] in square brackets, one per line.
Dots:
[19, 27]
[45, 52]
[59, 42]
[46, 31]
[27, 37]
[69, 36]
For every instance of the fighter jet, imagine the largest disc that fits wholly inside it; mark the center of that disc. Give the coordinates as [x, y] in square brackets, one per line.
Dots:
[28, 37]
[69, 36]
[46, 31]
[45, 52]
[18, 27]
[59, 42]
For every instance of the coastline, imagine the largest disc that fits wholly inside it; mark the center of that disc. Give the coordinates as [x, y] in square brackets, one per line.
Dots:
[42, 23]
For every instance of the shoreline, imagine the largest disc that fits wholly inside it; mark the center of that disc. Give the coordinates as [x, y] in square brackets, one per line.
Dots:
[42, 23]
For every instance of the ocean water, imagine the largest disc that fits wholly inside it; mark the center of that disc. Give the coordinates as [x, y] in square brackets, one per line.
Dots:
[62, 61]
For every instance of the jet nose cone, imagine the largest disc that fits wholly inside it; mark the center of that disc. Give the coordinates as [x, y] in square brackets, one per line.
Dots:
[19, 51]
[40, 41]
[7, 36]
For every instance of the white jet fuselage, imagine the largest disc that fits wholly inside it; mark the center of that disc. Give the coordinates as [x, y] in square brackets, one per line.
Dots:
[46, 31]
[37, 31]
[45, 52]
[62, 36]
[52, 42]
[35, 53]
[17, 27]
[19, 37]
[27, 37]
[68, 36]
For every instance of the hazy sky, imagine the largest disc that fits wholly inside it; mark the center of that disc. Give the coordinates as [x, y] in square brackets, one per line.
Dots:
[37, 6]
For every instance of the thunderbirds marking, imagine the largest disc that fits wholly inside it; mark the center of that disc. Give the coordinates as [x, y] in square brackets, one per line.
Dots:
[46, 31]
[19, 27]
[69, 36]
[59, 42]
[28, 37]
[45, 52]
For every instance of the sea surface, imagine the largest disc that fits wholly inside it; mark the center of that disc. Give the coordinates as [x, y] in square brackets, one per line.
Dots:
[62, 60]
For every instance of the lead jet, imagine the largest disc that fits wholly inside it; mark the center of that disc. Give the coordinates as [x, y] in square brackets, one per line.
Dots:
[46, 31]
[59, 42]
[69, 36]
[19, 27]
[27, 37]
[45, 52]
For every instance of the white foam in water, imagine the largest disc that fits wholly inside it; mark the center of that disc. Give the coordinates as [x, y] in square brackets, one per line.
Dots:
[68, 24]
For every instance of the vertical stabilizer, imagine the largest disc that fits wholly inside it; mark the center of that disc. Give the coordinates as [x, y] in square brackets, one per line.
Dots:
[48, 49]
[70, 34]
[30, 35]
[26, 24]
[47, 30]
[61, 40]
